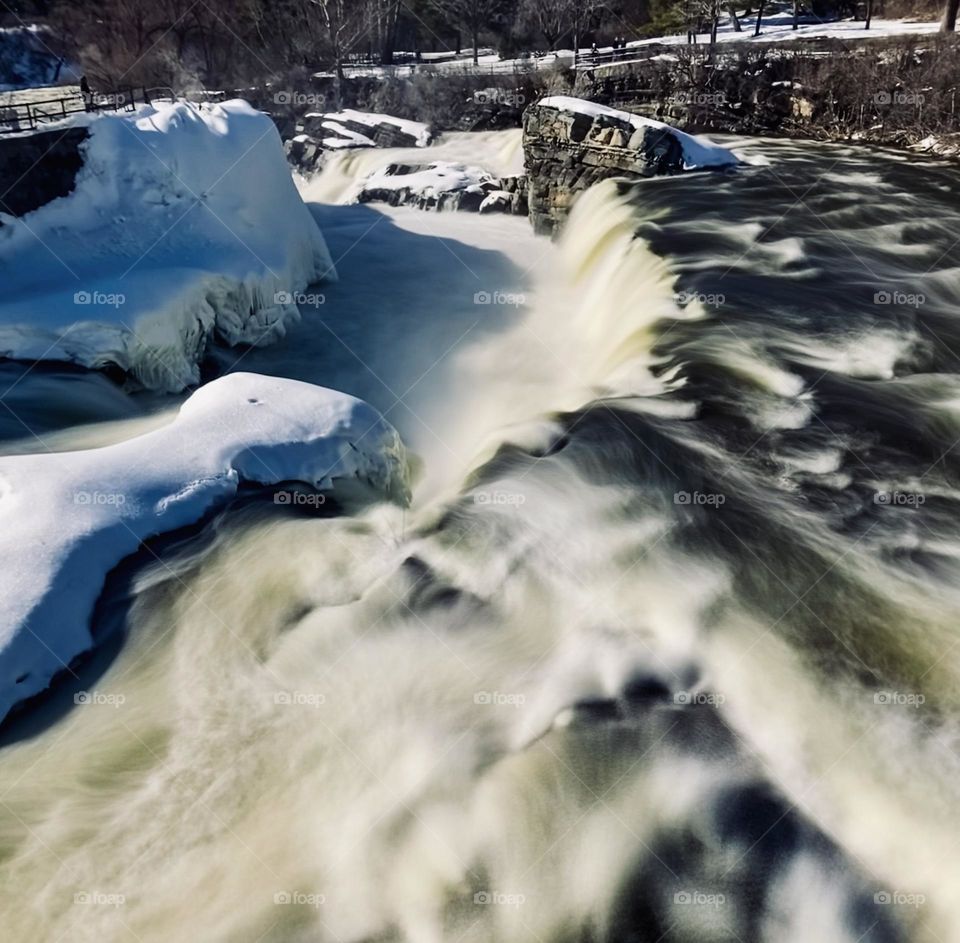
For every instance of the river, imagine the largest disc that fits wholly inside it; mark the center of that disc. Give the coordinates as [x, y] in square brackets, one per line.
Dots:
[664, 649]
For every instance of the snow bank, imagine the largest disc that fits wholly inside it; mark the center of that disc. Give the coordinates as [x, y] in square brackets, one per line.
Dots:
[698, 151]
[184, 222]
[68, 518]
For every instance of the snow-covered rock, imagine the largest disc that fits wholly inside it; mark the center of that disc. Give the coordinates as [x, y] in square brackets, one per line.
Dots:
[698, 151]
[416, 130]
[430, 180]
[68, 518]
[184, 223]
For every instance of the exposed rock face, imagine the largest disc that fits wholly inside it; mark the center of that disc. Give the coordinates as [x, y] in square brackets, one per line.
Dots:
[38, 168]
[567, 152]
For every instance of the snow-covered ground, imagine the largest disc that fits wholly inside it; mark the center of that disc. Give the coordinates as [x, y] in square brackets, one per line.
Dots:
[778, 27]
[184, 222]
[698, 151]
[69, 517]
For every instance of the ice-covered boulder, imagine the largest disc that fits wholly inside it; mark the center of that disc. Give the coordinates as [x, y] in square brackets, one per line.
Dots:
[68, 518]
[184, 224]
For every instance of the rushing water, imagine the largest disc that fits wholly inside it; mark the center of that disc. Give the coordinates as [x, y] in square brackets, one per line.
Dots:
[664, 650]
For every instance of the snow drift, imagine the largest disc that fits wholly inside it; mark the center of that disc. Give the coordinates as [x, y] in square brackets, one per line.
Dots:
[68, 518]
[184, 224]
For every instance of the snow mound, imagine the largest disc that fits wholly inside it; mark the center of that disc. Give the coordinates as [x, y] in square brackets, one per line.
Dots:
[698, 151]
[68, 518]
[184, 224]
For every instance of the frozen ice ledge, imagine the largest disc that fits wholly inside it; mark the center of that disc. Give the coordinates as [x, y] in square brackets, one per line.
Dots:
[69, 518]
[184, 224]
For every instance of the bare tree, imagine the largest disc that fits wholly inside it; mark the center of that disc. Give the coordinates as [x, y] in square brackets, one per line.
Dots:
[343, 28]
[949, 22]
[553, 18]
[472, 15]
[756, 31]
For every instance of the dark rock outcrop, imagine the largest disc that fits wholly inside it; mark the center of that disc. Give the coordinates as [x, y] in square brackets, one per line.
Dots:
[38, 168]
[567, 152]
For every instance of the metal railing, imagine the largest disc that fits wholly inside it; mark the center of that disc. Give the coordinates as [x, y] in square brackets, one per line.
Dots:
[29, 115]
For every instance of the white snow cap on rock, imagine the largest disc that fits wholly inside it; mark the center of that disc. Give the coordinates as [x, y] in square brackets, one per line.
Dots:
[68, 518]
[438, 177]
[698, 151]
[184, 222]
[416, 129]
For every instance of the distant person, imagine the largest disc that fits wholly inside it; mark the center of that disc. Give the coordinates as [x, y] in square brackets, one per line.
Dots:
[86, 94]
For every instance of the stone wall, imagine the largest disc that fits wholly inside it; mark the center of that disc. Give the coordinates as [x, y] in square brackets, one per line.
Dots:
[566, 153]
[38, 168]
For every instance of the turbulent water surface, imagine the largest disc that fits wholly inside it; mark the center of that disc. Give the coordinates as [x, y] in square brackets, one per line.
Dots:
[665, 648]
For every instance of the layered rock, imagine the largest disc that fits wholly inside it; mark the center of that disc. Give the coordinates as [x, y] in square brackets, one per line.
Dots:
[36, 169]
[570, 144]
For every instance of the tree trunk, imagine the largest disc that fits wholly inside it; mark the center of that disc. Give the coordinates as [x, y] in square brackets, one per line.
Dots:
[475, 36]
[756, 32]
[869, 14]
[796, 13]
[737, 28]
[949, 22]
